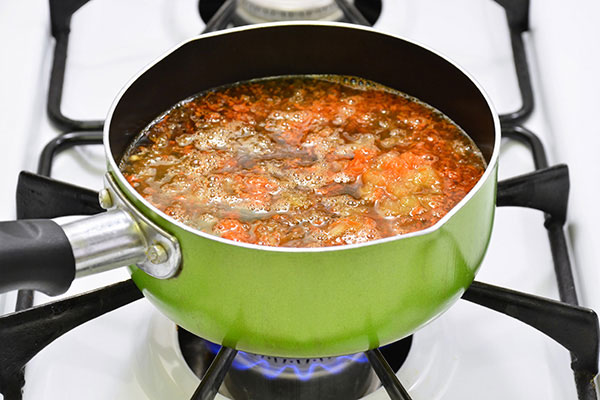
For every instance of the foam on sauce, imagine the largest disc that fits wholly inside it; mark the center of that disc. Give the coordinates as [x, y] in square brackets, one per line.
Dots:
[303, 161]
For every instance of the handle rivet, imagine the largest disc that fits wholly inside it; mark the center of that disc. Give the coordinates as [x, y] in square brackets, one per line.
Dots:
[157, 254]
[105, 199]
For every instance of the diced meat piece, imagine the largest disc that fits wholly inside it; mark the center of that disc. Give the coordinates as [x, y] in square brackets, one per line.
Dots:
[233, 229]
[350, 230]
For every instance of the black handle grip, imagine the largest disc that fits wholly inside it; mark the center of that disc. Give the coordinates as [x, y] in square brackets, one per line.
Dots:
[35, 254]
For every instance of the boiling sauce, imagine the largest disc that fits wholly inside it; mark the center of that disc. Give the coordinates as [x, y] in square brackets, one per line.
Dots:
[303, 161]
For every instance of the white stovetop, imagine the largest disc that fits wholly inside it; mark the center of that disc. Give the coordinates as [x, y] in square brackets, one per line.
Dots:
[479, 353]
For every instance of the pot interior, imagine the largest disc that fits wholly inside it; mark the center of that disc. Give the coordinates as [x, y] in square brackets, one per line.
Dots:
[296, 49]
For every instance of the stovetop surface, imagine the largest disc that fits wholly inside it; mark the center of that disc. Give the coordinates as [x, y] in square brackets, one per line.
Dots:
[488, 355]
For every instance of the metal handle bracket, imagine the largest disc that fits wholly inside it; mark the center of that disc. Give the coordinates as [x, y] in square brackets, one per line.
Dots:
[163, 254]
[121, 236]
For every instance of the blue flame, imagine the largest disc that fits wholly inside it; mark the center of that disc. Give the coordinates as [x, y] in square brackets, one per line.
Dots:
[271, 371]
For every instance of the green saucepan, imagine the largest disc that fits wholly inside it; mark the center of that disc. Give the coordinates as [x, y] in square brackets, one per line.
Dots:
[290, 302]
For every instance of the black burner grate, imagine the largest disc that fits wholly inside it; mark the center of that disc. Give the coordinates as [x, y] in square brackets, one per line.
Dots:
[31, 329]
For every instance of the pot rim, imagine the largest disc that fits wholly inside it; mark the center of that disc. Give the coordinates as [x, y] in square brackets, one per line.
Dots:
[114, 168]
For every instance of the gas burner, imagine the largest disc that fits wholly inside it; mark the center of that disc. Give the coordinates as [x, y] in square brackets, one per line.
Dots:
[255, 376]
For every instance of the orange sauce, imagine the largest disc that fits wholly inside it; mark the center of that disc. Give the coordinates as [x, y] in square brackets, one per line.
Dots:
[303, 161]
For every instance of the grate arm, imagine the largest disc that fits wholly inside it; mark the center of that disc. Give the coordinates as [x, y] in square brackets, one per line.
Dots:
[386, 375]
[214, 376]
[25, 333]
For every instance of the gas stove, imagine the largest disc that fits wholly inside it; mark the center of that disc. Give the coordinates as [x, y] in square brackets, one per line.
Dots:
[130, 351]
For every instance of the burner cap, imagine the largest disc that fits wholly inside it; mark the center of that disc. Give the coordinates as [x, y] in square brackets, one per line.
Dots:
[257, 11]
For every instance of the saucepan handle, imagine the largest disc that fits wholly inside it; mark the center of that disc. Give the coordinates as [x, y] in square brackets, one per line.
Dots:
[45, 256]
[35, 254]
[42, 255]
